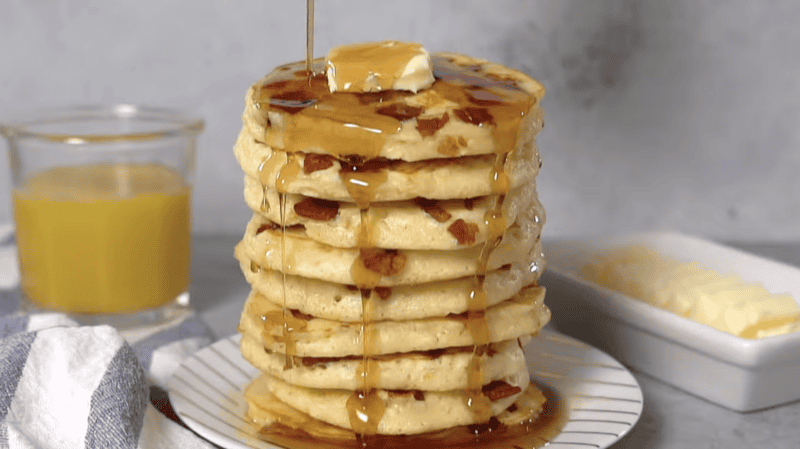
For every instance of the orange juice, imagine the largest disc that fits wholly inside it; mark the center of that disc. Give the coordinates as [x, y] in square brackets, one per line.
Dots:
[103, 239]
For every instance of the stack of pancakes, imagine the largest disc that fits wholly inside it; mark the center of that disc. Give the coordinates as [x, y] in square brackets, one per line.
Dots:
[393, 252]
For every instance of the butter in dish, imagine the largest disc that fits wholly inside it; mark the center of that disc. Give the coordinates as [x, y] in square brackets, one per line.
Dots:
[737, 373]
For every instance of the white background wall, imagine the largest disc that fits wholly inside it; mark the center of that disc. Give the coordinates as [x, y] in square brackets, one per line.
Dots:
[680, 114]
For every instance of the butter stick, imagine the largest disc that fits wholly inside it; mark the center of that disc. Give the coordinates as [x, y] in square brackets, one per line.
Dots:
[693, 291]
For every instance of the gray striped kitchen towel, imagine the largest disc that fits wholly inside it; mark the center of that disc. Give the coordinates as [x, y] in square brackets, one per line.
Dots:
[66, 386]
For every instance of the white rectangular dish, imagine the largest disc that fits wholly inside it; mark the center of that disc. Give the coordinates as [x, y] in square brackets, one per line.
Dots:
[737, 373]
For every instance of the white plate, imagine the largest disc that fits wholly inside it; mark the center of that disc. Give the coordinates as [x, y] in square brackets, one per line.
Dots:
[602, 399]
[737, 373]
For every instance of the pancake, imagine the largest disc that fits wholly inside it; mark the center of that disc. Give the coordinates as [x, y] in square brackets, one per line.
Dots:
[341, 302]
[293, 127]
[438, 370]
[304, 257]
[394, 248]
[523, 315]
[264, 409]
[405, 412]
[416, 224]
[393, 180]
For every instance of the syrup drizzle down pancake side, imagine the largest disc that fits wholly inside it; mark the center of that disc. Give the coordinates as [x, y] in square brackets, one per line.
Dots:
[413, 266]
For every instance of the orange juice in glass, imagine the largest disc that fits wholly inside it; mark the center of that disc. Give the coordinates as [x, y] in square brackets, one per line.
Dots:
[102, 208]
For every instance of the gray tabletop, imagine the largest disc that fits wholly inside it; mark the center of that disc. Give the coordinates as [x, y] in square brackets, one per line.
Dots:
[671, 418]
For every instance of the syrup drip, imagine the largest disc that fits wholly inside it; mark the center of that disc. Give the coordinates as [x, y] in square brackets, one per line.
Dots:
[286, 175]
[362, 184]
[266, 169]
[477, 299]
[499, 178]
[364, 238]
[289, 169]
[264, 204]
[286, 319]
[364, 407]
[287, 328]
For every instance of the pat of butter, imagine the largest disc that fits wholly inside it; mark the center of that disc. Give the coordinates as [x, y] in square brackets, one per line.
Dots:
[688, 289]
[377, 66]
[762, 316]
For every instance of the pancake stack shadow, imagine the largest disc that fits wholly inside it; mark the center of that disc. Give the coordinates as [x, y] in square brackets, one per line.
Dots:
[393, 252]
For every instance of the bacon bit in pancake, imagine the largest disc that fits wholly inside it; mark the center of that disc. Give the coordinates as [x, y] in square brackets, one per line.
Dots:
[293, 101]
[428, 126]
[463, 232]
[301, 316]
[475, 116]
[499, 389]
[314, 162]
[352, 160]
[383, 292]
[400, 111]
[418, 395]
[387, 262]
[432, 208]
[317, 209]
